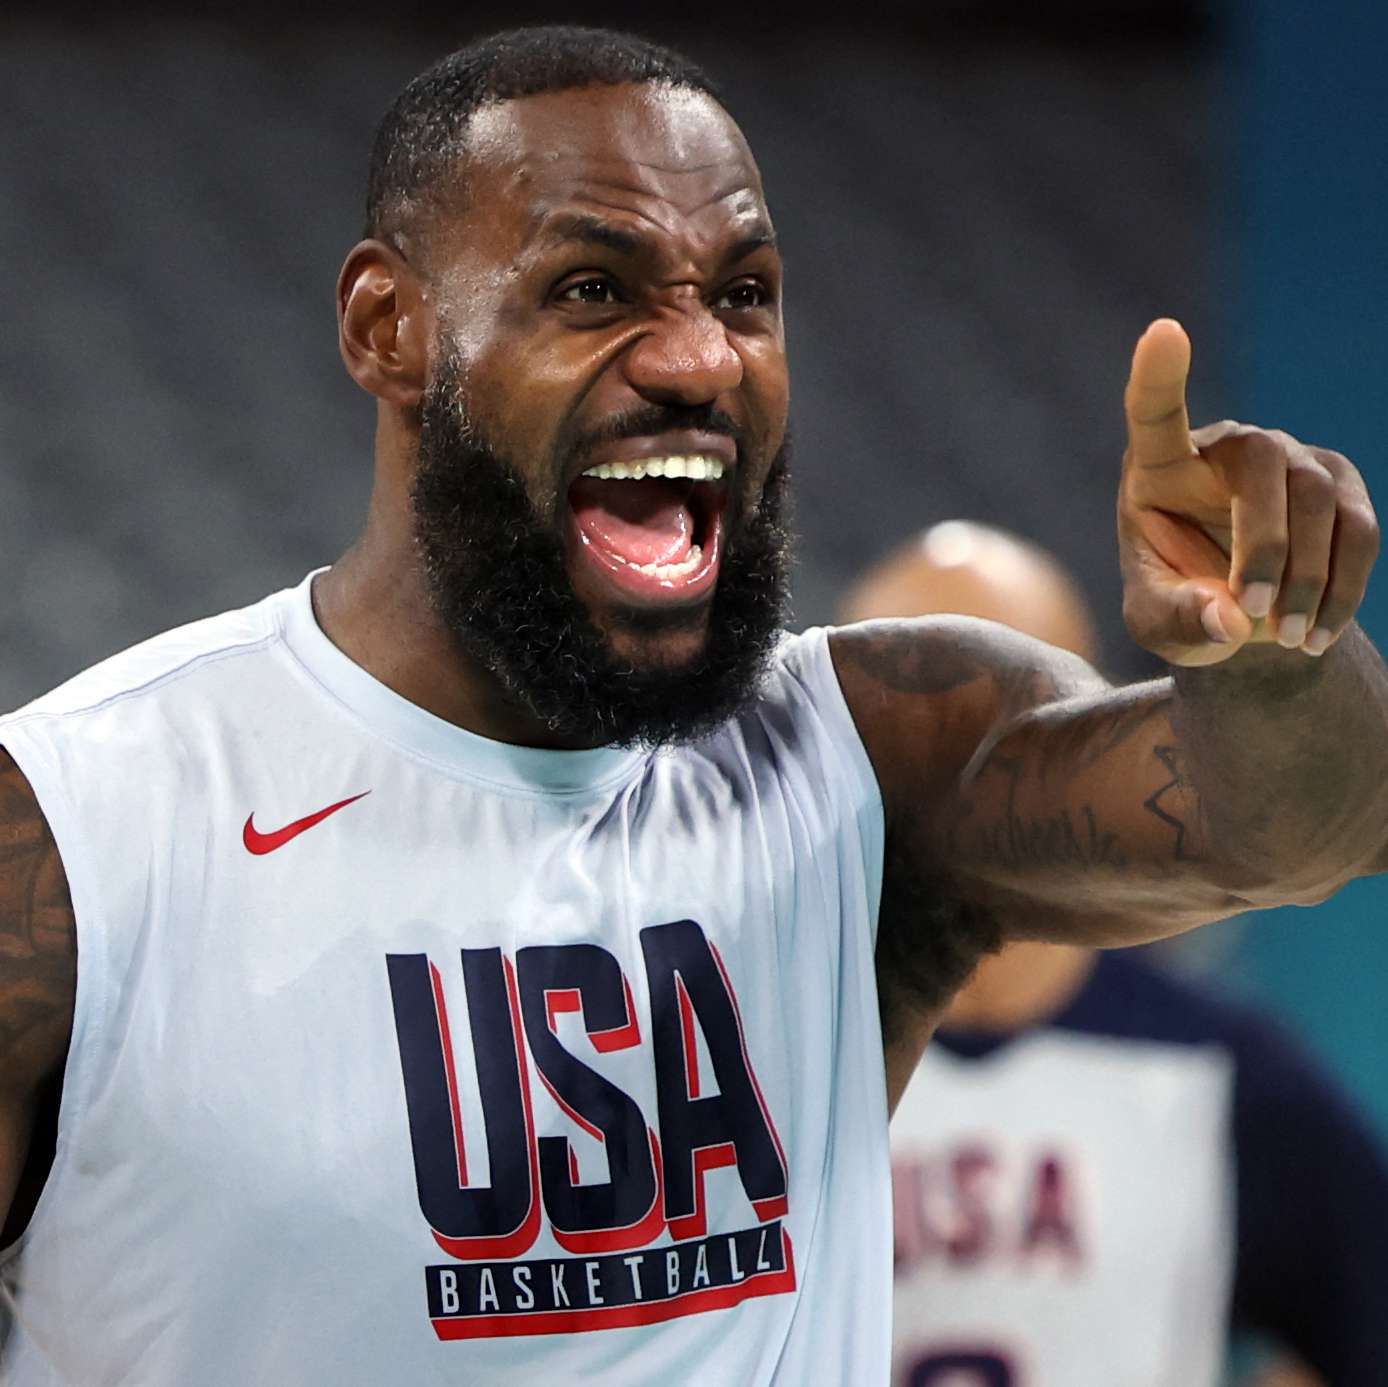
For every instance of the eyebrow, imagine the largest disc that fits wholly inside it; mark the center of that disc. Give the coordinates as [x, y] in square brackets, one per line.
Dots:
[593, 231]
[754, 240]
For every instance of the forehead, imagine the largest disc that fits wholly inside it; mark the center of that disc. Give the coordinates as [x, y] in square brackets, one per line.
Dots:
[668, 157]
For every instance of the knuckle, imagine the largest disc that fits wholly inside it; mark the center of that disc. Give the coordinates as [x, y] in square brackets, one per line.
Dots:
[1138, 615]
[1207, 435]
[1311, 490]
[1360, 524]
[1306, 475]
[1261, 449]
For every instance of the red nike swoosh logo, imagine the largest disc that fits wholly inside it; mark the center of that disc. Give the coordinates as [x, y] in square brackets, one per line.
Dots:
[261, 843]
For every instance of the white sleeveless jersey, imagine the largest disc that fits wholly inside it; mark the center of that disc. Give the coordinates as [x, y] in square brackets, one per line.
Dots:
[404, 1056]
[1064, 1214]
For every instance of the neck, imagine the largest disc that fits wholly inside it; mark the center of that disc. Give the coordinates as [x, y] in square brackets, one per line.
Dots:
[1026, 984]
[372, 604]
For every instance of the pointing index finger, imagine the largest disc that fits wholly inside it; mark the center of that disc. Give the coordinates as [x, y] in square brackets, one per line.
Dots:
[1155, 400]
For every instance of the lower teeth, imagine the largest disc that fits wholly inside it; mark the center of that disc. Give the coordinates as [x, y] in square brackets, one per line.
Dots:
[668, 572]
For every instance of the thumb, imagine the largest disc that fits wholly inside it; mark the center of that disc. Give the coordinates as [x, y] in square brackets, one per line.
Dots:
[1187, 621]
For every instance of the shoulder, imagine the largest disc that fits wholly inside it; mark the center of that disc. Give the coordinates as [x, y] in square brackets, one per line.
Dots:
[926, 692]
[110, 742]
[932, 655]
[1278, 1081]
[155, 663]
[1129, 998]
[38, 943]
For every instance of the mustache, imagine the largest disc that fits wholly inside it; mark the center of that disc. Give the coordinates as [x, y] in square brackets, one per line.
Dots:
[657, 419]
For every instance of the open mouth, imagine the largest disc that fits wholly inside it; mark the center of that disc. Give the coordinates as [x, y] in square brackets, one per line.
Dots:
[653, 526]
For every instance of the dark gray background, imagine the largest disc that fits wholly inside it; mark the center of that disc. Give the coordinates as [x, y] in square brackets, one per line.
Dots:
[979, 218]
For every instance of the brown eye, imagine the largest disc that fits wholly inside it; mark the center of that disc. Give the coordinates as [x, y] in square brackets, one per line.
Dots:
[593, 290]
[746, 293]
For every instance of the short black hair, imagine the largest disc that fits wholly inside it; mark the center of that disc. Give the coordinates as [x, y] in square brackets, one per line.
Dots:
[420, 138]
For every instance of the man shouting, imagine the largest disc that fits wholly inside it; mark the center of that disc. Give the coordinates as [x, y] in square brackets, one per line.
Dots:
[460, 968]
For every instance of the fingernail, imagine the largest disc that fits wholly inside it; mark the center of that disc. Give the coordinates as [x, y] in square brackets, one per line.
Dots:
[1291, 631]
[1214, 627]
[1318, 642]
[1257, 600]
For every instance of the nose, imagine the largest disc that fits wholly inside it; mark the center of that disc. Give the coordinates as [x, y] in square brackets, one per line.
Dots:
[685, 358]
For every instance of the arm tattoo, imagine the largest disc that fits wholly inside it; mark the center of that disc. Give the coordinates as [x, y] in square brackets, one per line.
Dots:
[38, 952]
[931, 667]
[1018, 841]
[1078, 839]
[932, 931]
[1024, 796]
[1291, 760]
[1126, 724]
[1178, 805]
[1079, 737]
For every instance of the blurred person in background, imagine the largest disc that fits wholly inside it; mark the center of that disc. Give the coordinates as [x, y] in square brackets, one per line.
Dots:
[1099, 1169]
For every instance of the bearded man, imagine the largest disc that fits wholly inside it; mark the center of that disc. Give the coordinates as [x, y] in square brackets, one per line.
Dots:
[461, 967]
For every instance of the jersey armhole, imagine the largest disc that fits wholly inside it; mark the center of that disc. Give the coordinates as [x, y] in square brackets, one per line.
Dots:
[90, 1000]
[809, 661]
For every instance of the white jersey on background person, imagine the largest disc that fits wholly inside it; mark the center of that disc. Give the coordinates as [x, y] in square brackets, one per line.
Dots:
[1103, 1199]
[405, 1056]
[1065, 1199]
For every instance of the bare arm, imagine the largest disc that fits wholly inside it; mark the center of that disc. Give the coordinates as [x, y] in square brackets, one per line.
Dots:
[1129, 814]
[38, 969]
[926, 696]
[1025, 797]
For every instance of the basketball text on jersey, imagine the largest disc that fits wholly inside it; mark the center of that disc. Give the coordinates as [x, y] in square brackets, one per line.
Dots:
[656, 1164]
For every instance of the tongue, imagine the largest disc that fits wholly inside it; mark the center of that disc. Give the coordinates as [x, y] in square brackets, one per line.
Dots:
[642, 522]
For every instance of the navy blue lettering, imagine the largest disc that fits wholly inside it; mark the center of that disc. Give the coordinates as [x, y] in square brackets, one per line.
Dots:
[702, 1131]
[496, 1220]
[555, 979]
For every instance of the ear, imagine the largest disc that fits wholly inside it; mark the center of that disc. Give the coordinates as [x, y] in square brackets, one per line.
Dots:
[384, 323]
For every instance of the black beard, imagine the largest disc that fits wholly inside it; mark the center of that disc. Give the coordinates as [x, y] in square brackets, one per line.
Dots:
[496, 573]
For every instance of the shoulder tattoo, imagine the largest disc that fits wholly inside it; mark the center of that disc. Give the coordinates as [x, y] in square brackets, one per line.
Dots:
[38, 944]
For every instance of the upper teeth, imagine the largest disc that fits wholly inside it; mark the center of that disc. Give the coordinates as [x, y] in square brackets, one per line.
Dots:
[699, 469]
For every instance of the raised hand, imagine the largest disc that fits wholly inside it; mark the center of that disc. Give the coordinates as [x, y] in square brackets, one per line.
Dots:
[1231, 534]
